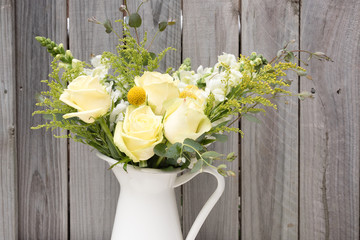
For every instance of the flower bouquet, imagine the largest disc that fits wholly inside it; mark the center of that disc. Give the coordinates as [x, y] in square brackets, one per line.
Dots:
[134, 115]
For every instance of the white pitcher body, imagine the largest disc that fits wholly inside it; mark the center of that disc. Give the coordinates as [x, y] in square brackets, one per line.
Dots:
[147, 207]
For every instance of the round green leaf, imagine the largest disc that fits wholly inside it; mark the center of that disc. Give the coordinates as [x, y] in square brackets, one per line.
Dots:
[162, 26]
[134, 20]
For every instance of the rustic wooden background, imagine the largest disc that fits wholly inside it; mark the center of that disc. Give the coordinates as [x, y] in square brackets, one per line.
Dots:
[298, 170]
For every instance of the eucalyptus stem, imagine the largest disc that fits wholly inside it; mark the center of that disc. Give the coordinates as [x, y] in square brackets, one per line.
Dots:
[137, 36]
[152, 40]
[143, 164]
[158, 162]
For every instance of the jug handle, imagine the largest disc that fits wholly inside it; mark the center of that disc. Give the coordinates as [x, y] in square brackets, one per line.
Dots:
[204, 212]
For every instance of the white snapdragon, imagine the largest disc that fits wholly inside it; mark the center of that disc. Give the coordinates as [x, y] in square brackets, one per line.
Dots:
[117, 114]
[216, 85]
[228, 59]
[100, 70]
[115, 94]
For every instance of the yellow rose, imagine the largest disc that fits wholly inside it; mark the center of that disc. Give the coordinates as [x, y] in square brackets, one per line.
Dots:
[139, 133]
[185, 118]
[88, 96]
[159, 88]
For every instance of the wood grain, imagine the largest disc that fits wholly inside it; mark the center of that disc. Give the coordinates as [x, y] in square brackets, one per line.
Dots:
[42, 161]
[329, 130]
[93, 188]
[209, 29]
[8, 183]
[270, 150]
[154, 12]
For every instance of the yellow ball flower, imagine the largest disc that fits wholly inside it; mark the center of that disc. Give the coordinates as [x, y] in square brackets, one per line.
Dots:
[136, 96]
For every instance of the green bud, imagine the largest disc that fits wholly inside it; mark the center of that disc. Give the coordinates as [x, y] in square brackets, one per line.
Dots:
[258, 61]
[253, 56]
[305, 94]
[68, 54]
[301, 73]
[107, 25]
[122, 8]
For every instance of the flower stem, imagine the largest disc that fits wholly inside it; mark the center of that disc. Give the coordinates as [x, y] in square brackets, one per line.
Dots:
[158, 162]
[106, 129]
[143, 164]
[152, 40]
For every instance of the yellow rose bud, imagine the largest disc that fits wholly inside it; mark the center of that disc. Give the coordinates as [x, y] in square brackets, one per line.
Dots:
[88, 96]
[159, 88]
[139, 133]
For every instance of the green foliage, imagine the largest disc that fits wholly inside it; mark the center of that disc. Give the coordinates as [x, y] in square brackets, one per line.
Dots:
[259, 84]
[131, 59]
[189, 152]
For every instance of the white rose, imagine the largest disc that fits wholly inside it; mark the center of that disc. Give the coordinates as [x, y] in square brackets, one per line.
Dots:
[159, 88]
[88, 96]
[185, 118]
[139, 133]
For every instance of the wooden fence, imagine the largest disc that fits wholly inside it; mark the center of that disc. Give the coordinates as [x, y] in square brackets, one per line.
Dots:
[298, 170]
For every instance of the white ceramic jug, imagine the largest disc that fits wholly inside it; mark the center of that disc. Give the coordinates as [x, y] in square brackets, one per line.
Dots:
[147, 207]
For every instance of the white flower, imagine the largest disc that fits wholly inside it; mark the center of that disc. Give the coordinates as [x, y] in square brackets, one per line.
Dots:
[228, 59]
[100, 70]
[216, 85]
[115, 94]
[117, 114]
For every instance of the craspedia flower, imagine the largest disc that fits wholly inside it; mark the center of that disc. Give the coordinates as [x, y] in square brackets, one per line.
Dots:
[136, 96]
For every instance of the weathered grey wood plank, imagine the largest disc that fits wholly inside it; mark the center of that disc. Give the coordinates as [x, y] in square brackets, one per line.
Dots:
[210, 28]
[42, 161]
[154, 12]
[93, 188]
[329, 130]
[8, 183]
[270, 150]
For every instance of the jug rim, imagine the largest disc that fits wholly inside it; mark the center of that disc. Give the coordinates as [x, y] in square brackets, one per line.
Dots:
[144, 170]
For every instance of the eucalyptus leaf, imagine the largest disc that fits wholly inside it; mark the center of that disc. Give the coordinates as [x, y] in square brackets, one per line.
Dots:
[174, 151]
[220, 137]
[211, 154]
[160, 149]
[135, 20]
[251, 118]
[194, 145]
[197, 166]
[162, 26]
[289, 57]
